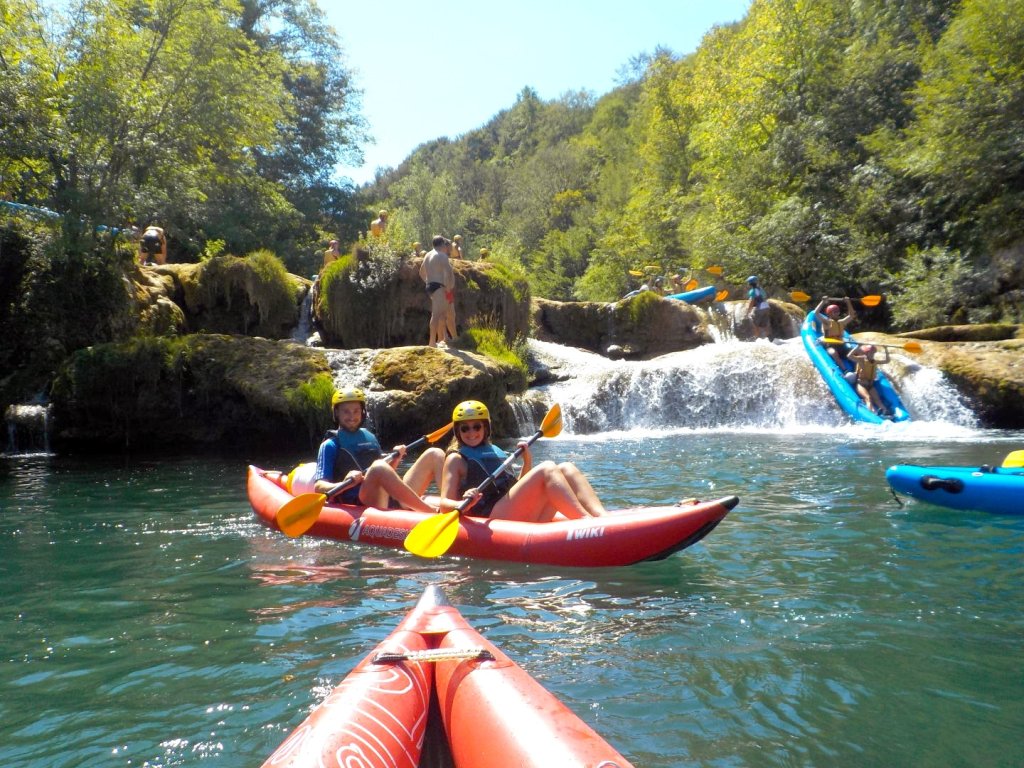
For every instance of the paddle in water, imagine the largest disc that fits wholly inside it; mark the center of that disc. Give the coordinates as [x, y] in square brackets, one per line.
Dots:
[435, 535]
[298, 515]
[911, 346]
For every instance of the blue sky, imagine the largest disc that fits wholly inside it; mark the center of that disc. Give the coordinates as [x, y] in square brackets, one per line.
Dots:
[429, 70]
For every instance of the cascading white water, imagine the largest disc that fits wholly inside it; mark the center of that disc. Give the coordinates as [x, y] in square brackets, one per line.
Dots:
[303, 330]
[28, 429]
[728, 385]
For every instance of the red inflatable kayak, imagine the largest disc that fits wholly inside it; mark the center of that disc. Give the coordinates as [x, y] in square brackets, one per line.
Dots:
[624, 537]
[436, 688]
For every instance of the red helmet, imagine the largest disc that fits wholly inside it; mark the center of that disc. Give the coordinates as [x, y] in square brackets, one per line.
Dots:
[832, 309]
[867, 348]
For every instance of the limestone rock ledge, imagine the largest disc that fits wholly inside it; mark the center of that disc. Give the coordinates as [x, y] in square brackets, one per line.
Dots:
[219, 390]
[984, 362]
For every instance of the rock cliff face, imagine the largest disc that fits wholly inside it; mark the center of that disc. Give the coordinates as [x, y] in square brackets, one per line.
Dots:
[380, 305]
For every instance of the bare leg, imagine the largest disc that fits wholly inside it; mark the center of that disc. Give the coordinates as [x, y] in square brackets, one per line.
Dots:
[382, 481]
[865, 395]
[538, 495]
[426, 469]
[583, 489]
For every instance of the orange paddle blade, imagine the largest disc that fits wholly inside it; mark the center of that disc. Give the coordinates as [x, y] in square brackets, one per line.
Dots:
[715, 270]
[298, 515]
[799, 296]
[689, 285]
[722, 295]
[871, 301]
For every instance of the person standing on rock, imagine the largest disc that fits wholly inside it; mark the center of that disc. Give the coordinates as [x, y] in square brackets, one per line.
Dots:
[439, 278]
[757, 302]
[153, 246]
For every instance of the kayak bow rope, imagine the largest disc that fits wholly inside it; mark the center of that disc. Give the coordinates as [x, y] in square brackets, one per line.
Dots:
[435, 535]
[911, 346]
[298, 515]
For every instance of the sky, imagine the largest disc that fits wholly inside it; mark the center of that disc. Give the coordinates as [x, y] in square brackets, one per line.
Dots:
[429, 70]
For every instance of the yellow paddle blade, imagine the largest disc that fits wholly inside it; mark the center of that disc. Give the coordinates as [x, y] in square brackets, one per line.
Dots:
[1014, 459]
[799, 296]
[299, 514]
[837, 341]
[636, 273]
[652, 268]
[715, 270]
[690, 285]
[434, 536]
[722, 295]
[870, 301]
[552, 423]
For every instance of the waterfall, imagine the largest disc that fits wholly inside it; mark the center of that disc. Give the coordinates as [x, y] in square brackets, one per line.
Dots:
[304, 328]
[28, 429]
[729, 385]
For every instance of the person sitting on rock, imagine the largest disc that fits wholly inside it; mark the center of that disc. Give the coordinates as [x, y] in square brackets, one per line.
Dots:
[352, 451]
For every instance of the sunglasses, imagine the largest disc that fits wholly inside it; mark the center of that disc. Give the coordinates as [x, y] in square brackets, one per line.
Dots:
[464, 428]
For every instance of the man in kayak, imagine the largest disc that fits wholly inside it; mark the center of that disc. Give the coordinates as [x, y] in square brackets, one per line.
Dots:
[864, 377]
[352, 451]
[534, 496]
[757, 302]
[832, 326]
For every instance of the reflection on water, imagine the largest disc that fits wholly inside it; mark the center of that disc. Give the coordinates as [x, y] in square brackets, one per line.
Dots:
[152, 620]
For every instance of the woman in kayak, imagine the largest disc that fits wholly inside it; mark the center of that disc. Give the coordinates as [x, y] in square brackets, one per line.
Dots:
[832, 326]
[352, 451]
[536, 495]
[866, 373]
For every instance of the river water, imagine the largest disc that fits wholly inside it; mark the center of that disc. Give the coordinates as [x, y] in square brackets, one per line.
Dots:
[148, 620]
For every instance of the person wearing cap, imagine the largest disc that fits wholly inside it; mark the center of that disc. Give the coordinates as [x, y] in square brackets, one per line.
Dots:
[865, 374]
[832, 326]
[535, 495]
[757, 302]
[484, 253]
[380, 224]
[352, 451]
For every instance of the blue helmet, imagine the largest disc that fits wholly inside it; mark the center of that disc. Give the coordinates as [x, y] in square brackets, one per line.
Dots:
[752, 279]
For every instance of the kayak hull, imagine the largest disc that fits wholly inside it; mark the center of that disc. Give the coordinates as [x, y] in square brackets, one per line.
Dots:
[844, 392]
[477, 706]
[999, 490]
[696, 295]
[622, 538]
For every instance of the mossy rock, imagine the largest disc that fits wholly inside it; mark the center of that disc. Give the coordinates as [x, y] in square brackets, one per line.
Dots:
[154, 393]
[251, 296]
[380, 301]
[422, 386]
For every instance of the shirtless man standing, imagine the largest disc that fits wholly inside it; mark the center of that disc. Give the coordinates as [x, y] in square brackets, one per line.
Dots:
[436, 271]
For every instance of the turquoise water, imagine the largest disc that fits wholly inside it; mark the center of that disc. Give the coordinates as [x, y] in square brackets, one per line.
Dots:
[148, 620]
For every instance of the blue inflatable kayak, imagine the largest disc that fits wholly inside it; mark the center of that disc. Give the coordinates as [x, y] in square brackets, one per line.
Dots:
[844, 392]
[989, 489]
[697, 294]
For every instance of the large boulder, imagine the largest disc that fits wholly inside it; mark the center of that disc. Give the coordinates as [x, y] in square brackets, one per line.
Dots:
[381, 302]
[252, 296]
[641, 327]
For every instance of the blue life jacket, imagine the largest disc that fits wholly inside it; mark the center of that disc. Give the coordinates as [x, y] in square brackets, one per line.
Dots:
[481, 462]
[343, 451]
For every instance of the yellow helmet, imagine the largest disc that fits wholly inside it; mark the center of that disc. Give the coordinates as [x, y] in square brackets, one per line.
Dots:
[348, 395]
[382, 213]
[470, 410]
[457, 237]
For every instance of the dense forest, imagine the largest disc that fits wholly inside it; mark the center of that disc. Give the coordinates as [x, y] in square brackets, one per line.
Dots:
[826, 145]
